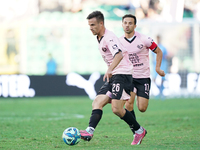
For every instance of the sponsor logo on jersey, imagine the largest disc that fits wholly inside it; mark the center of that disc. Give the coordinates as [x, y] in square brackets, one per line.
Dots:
[137, 65]
[134, 58]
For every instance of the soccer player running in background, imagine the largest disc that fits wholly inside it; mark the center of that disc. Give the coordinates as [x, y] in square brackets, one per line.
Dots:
[138, 46]
[118, 77]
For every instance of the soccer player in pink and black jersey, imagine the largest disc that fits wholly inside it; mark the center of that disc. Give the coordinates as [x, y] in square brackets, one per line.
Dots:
[118, 76]
[138, 46]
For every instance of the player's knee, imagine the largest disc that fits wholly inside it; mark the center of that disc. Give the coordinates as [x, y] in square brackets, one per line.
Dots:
[115, 111]
[142, 109]
[93, 104]
[142, 105]
[96, 105]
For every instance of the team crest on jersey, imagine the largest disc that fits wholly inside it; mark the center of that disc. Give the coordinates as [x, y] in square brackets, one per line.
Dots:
[140, 46]
[104, 49]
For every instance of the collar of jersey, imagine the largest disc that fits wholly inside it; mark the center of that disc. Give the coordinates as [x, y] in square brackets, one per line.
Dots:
[131, 40]
[100, 39]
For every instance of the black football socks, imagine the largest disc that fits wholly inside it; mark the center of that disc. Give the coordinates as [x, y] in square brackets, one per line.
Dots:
[130, 120]
[95, 117]
[133, 113]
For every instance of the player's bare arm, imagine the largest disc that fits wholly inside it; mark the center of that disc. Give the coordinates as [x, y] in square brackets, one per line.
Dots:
[159, 55]
[117, 58]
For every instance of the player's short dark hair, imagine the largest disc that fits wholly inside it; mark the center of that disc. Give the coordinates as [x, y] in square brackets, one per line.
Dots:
[131, 16]
[96, 14]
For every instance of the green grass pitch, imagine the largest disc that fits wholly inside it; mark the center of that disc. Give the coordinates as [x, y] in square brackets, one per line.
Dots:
[38, 123]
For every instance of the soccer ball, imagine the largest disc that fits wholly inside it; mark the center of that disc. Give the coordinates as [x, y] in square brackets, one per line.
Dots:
[71, 136]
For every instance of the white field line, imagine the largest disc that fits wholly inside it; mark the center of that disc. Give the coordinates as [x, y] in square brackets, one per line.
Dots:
[41, 116]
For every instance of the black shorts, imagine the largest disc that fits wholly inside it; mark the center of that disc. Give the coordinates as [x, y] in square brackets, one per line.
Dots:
[143, 86]
[117, 83]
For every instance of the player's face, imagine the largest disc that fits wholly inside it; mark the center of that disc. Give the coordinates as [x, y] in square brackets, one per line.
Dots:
[95, 26]
[128, 25]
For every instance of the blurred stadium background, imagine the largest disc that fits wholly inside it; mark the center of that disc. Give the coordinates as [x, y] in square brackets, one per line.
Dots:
[44, 41]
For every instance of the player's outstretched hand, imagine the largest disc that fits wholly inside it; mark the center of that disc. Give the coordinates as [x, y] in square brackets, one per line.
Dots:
[160, 72]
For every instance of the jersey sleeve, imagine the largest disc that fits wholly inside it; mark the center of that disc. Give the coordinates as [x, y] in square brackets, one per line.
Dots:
[114, 45]
[150, 43]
